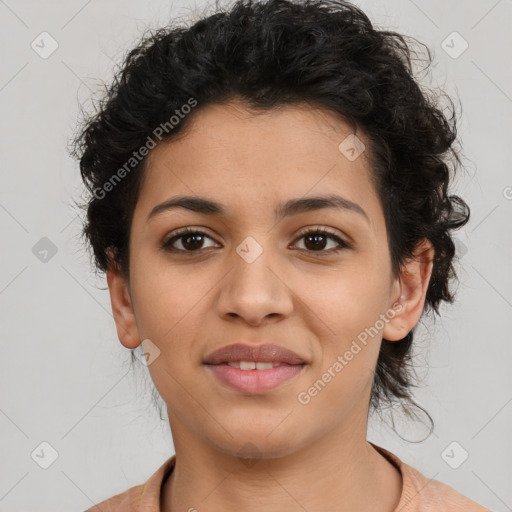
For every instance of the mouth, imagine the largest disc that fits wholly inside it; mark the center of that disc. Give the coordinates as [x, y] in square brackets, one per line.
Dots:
[253, 369]
[254, 382]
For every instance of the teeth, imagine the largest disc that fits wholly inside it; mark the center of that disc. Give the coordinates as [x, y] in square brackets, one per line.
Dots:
[252, 365]
[264, 366]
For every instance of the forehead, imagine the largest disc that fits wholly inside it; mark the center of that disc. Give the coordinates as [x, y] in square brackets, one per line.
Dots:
[249, 159]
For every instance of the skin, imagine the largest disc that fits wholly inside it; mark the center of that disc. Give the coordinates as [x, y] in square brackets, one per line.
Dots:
[313, 456]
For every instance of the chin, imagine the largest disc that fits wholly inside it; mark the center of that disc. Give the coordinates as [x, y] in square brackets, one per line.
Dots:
[259, 442]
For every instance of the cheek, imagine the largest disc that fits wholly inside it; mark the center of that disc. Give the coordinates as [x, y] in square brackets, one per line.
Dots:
[348, 355]
[167, 297]
[346, 309]
[346, 301]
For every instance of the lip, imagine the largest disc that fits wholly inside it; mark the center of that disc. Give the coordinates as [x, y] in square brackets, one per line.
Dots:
[263, 353]
[254, 381]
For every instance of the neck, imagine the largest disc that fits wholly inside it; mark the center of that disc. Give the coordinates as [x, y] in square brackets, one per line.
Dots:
[337, 472]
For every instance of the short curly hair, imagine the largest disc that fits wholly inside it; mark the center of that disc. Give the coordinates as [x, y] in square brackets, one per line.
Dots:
[270, 53]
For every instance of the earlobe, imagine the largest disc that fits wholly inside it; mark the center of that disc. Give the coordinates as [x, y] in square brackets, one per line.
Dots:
[122, 309]
[412, 284]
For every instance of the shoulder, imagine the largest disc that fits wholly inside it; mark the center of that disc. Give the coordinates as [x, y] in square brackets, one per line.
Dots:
[422, 494]
[433, 495]
[127, 501]
[141, 497]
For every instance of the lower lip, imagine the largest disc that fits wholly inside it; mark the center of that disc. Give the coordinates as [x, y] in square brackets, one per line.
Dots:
[254, 381]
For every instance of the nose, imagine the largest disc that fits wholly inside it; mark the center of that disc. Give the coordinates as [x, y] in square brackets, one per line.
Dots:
[254, 292]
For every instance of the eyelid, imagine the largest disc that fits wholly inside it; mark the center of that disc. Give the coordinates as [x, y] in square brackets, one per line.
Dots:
[183, 231]
[325, 229]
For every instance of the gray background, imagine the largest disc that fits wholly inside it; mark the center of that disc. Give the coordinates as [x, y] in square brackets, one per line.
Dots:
[65, 377]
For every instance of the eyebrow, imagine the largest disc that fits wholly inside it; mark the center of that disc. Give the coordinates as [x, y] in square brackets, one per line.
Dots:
[289, 208]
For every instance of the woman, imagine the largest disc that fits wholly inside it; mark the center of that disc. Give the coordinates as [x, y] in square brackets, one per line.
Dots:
[269, 201]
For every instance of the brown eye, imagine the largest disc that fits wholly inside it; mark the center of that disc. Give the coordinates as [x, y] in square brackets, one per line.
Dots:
[191, 240]
[316, 240]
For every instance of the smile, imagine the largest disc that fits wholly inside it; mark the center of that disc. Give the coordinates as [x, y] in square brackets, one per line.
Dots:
[252, 377]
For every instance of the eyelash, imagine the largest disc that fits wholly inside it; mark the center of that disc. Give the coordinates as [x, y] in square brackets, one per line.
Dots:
[167, 244]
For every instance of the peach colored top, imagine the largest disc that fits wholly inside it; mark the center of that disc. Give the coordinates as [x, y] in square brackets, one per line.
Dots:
[419, 493]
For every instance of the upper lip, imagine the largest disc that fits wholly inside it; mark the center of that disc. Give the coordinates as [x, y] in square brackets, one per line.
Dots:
[262, 353]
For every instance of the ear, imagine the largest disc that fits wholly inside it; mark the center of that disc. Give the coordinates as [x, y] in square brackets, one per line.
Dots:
[412, 286]
[122, 307]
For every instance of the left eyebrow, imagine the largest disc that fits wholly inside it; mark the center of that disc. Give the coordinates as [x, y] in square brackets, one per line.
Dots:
[312, 203]
[291, 207]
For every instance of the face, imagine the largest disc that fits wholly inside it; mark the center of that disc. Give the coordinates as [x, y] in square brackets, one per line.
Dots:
[311, 281]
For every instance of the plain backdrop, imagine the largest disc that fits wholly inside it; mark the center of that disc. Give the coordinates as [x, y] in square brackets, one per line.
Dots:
[65, 378]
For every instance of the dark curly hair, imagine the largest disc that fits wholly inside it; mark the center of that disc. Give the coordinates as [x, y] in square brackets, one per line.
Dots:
[272, 53]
